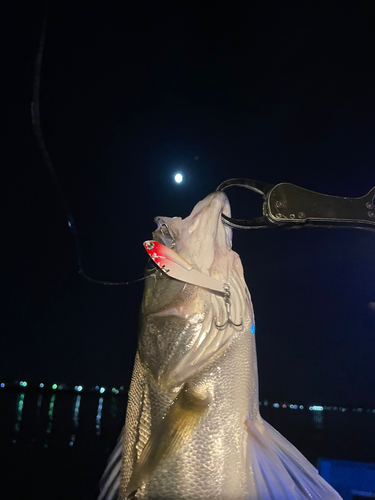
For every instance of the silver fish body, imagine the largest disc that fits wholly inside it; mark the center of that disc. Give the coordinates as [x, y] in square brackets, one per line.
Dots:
[193, 428]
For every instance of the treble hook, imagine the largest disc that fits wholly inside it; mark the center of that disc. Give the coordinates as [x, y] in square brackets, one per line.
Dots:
[229, 321]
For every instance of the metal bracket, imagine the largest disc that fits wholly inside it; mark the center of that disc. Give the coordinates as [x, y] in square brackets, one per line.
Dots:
[287, 205]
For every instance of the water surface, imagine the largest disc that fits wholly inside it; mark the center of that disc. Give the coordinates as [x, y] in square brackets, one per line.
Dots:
[55, 444]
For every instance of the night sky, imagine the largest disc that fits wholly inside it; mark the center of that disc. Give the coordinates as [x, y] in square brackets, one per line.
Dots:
[133, 91]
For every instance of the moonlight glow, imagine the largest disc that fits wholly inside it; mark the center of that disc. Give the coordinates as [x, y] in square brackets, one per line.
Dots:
[178, 178]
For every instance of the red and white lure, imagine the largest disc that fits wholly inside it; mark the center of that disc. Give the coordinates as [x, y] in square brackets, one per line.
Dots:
[172, 264]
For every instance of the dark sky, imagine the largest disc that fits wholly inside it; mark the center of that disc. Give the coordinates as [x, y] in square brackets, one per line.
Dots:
[130, 93]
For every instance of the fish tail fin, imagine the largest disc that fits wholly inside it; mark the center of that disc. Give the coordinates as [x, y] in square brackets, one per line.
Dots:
[276, 467]
[110, 481]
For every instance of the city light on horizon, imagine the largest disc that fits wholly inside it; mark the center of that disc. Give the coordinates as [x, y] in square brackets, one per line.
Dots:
[121, 391]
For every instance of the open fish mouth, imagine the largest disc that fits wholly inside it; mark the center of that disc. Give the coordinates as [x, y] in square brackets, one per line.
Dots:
[164, 232]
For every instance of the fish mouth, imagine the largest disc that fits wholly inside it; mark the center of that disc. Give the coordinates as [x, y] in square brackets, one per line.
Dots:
[164, 232]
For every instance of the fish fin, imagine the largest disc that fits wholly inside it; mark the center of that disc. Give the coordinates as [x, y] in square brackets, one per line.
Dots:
[169, 435]
[110, 481]
[277, 469]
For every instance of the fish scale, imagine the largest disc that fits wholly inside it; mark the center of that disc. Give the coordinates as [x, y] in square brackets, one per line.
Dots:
[217, 450]
[193, 429]
[133, 419]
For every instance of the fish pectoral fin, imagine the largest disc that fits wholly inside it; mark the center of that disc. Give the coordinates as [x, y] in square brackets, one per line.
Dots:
[169, 435]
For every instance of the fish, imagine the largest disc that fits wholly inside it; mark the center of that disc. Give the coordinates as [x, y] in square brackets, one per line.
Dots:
[193, 429]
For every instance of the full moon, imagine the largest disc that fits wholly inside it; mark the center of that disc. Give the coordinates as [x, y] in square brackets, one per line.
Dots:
[178, 178]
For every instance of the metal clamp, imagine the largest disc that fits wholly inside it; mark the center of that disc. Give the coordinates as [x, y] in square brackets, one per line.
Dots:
[287, 205]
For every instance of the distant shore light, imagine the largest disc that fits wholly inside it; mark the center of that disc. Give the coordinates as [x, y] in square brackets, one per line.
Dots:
[178, 178]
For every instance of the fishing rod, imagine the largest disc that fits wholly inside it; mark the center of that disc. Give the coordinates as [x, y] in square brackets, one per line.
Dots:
[37, 128]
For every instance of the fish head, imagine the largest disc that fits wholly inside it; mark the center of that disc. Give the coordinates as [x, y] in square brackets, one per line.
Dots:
[178, 332]
[202, 238]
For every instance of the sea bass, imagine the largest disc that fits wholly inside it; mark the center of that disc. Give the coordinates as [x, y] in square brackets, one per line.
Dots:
[193, 429]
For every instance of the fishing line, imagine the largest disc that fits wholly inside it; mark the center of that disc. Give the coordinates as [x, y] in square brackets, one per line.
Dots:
[37, 128]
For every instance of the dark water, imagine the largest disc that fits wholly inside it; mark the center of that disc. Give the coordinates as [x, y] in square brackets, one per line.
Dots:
[54, 444]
